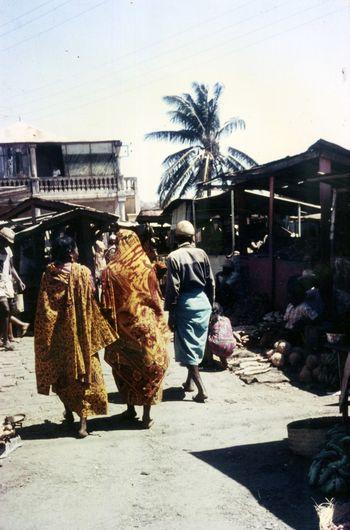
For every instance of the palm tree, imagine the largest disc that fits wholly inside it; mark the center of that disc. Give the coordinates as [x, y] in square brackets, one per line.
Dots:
[201, 130]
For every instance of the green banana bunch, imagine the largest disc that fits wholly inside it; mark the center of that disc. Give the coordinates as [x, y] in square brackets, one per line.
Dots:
[330, 469]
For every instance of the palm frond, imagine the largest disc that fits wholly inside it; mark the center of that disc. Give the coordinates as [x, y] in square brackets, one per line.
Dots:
[241, 157]
[176, 189]
[231, 125]
[197, 115]
[185, 104]
[175, 157]
[181, 136]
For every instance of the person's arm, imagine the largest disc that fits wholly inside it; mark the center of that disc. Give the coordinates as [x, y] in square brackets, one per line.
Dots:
[15, 276]
[172, 291]
[210, 282]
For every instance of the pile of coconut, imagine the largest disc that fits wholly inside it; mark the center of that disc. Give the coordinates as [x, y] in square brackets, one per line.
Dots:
[310, 367]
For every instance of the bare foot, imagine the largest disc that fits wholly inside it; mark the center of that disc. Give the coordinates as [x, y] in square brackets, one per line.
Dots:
[147, 423]
[200, 398]
[82, 433]
[24, 329]
[128, 415]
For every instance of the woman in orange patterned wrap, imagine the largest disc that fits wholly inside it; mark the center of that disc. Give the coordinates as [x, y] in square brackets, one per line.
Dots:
[139, 357]
[69, 330]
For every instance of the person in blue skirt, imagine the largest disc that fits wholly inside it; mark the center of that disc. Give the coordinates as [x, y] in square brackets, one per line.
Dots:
[189, 297]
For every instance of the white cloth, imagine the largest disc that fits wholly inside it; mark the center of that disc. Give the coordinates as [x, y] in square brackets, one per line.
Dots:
[6, 282]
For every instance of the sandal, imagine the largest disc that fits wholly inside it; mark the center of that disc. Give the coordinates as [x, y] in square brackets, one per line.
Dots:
[16, 420]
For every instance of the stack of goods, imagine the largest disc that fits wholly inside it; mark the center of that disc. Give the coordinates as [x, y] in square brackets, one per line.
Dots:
[320, 369]
[330, 469]
[248, 365]
[268, 330]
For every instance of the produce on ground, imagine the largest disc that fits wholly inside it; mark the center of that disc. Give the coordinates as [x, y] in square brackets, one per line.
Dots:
[330, 469]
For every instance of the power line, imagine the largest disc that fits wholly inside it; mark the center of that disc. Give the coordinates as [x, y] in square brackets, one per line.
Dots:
[25, 14]
[137, 87]
[34, 19]
[159, 41]
[210, 48]
[161, 54]
[54, 26]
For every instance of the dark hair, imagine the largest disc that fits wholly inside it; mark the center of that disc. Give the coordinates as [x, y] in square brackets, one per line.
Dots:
[183, 239]
[217, 312]
[62, 248]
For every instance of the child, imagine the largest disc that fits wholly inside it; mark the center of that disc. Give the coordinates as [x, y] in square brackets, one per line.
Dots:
[221, 341]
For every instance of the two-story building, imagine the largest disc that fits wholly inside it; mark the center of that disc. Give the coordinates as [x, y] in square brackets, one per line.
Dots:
[35, 163]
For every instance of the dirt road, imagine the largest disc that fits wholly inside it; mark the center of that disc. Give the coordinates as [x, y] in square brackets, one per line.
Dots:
[221, 465]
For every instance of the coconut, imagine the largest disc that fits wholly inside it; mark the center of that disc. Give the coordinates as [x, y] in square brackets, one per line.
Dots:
[294, 358]
[316, 372]
[299, 350]
[311, 361]
[283, 347]
[277, 359]
[305, 375]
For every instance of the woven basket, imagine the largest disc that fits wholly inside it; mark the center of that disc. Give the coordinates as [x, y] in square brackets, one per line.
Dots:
[308, 437]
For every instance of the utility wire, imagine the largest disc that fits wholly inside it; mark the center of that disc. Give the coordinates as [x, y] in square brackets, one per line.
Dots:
[137, 87]
[159, 55]
[35, 18]
[138, 50]
[54, 26]
[196, 54]
[25, 13]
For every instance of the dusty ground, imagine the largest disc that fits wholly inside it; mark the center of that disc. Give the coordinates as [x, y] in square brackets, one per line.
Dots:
[224, 464]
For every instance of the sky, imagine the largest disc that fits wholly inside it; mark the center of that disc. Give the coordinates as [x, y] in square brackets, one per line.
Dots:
[98, 69]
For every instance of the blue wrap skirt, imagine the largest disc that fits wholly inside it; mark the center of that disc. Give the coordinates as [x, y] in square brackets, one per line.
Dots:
[192, 316]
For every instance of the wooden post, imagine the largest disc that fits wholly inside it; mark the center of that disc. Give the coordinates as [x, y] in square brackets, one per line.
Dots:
[332, 225]
[194, 219]
[233, 220]
[299, 220]
[326, 204]
[271, 241]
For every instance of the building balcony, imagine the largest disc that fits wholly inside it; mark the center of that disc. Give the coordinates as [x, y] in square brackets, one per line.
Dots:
[73, 186]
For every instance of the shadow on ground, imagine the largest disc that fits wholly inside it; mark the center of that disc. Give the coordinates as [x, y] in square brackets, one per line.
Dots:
[276, 478]
[49, 430]
[174, 393]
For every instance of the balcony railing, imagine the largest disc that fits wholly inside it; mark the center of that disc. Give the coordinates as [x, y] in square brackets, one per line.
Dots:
[68, 184]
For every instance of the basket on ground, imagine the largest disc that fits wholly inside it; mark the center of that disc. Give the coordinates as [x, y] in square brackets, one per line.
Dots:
[308, 437]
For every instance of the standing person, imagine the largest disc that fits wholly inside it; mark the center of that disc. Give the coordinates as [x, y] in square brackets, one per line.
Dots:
[8, 275]
[69, 330]
[189, 298]
[139, 357]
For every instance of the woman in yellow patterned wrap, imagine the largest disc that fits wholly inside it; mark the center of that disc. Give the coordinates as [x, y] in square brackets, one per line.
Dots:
[69, 331]
[139, 357]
